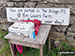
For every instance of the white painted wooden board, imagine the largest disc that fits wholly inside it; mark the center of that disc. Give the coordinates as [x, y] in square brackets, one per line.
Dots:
[54, 16]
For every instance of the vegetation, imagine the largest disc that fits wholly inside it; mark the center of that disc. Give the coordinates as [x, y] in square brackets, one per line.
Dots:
[5, 49]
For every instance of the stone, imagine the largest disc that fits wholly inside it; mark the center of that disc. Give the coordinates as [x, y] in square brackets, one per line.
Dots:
[71, 28]
[43, 2]
[1, 8]
[3, 13]
[58, 44]
[53, 1]
[3, 20]
[73, 34]
[10, 4]
[73, 6]
[42, 6]
[18, 4]
[70, 34]
[59, 28]
[30, 4]
[25, 7]
[4, 26]
[72, 19]
[1, 2]
[69, 1]
[71, 40]
[19, 0]
[73, 11]
[57, 36]
[36, 0]
[62, 1]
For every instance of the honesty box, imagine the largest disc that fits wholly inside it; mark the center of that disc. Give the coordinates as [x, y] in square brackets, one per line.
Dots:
[55, 16]
[21, 28]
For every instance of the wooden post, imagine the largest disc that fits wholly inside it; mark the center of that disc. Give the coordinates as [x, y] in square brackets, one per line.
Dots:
[41, 50]
[49, 39]
[12, 50]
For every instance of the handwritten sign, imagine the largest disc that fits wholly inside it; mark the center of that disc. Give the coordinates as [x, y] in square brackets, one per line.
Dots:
[55, 16]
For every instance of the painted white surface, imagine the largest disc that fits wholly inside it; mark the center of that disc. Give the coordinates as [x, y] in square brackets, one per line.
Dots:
[21, 28]
[54, 16]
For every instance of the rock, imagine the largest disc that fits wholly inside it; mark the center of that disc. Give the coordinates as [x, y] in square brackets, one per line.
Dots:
[73, 11]
[1, 3]
[25, 7]
[62, 1]
[58, 44]
[42, 6]
[1, 8]
[4, 26]
[73, 34]
[3, 13]
[30, 4]
[69, 1]
[59, 28]
[19, 0]
[57, 36]
[72, 19]
[71, 28]
[36, 0]
[44, 2]
[53, 1]
[70, 34]
[10, 4]
[71, 40]
[3, 20]
[18, 4]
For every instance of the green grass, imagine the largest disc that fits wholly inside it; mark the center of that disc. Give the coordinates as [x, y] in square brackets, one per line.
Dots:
[32, 52]
[5, 50]
[2, 34]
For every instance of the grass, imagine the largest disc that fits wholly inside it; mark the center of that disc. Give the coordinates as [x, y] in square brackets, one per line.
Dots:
[32, 52]
[5, 50]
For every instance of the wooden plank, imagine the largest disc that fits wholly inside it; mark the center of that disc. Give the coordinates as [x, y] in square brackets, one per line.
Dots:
[25, 44]
[20, 38]
[49, 42]
[40, 38]
[41, 50]
[45, 34]
[12, 50]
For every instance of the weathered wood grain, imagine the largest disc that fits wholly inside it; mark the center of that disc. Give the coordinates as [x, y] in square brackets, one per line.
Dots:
[38, 42]
[40, 38]
[25, 44]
